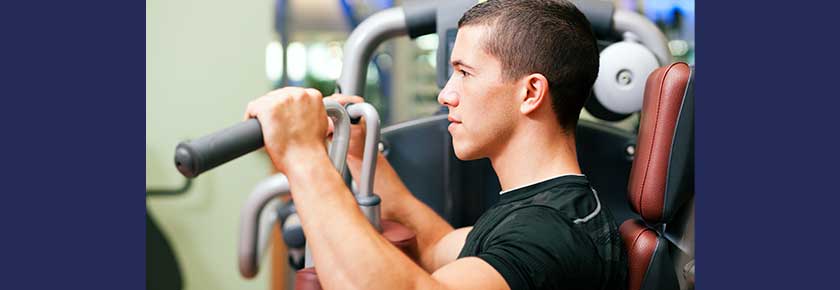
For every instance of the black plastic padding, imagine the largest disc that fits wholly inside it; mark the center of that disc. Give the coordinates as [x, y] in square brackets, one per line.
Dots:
[600, 15]
[354, 121]
[202, 154]
[420, 18]
[679, 187]
[162, 268]
[293, 236]
[594, 107]
[297, 261]
[660, 274]
[460, 191]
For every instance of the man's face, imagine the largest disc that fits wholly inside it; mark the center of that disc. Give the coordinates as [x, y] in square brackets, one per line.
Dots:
[482, 104]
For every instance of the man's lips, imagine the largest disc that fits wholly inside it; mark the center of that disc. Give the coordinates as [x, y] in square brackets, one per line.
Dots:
[452, 123]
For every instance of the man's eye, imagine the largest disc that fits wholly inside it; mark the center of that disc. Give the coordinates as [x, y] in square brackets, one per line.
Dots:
[463, 72]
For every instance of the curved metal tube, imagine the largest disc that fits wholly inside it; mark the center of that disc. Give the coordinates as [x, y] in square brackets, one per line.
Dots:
[171, 192]
[368, 202]
[362, 42]
[267, 219]
[249, 225]
[371, 144]
[647, 32]
[278, 185]
[341, 134]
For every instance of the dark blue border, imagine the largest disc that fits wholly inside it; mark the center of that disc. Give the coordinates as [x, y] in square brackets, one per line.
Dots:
[766, 144]
[72, 122]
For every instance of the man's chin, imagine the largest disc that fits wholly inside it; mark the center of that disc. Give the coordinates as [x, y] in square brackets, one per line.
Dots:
[466, 155]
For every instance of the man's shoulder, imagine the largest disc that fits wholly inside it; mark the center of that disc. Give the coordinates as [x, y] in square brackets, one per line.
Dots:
[565, 201]
[540, 220]
[537, 245]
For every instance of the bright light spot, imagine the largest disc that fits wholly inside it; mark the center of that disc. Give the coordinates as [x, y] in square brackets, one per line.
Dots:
[372, 73]
[316, 60]
[335, 57]
[428, 42]
[432, 58]
[678, 47]
[296, 66]
[384, 60]
[324, 60]
[274, 61]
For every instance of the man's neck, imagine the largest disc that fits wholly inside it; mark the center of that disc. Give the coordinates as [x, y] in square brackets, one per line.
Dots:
[535, 155]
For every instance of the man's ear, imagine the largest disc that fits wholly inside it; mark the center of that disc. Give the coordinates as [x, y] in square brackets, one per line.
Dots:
[536, 93]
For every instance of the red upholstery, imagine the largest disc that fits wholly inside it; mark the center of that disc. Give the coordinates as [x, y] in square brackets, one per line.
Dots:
[307, 279]
[640, 242]
[399, 235]
[402, 237]
[664, 93]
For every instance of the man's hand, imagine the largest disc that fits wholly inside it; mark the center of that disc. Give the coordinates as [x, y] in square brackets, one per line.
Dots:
[292, 119]
[357, 132]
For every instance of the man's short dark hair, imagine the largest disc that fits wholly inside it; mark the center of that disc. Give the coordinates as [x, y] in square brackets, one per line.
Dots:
[550, 37]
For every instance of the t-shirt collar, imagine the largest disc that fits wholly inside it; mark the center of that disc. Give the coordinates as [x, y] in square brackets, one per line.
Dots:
[541, 181]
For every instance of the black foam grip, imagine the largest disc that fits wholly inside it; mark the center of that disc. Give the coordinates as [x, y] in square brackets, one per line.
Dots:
[202, 154]
[354, 121]
[293, 236]
[420, 18]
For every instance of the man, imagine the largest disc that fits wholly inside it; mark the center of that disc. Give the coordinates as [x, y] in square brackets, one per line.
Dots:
[523, 70]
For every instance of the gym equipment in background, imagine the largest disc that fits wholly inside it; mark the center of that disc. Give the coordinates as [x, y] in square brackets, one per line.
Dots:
[277, 185]
[660, 244]
[625, 65]
[163, 272]
[462, 190]
[252, 248]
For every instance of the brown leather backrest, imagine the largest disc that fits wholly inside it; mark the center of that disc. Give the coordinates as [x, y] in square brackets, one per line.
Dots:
[640, 242]
[664, 93]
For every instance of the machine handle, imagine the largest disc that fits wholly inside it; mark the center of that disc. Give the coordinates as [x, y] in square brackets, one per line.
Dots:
[276, 186]
[194, 157]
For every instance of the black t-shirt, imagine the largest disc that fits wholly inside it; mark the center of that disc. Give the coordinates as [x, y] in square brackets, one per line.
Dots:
[551, 235]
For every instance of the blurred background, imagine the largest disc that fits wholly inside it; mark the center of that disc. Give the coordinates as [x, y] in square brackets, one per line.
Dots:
[205, 60]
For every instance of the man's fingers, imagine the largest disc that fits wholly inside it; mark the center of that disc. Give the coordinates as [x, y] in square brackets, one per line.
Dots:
[313, 92]
[285, 91]
[295, 92]
[330, 128]
[283, 97]
[250, 110]
[345, 99]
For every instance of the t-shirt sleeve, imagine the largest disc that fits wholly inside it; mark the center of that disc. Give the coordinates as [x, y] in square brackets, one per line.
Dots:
[535, 248]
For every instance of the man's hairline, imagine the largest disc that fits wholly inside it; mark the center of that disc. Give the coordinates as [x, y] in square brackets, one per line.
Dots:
[489, 27]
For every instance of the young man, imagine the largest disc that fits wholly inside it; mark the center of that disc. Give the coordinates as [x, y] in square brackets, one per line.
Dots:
[523, 70]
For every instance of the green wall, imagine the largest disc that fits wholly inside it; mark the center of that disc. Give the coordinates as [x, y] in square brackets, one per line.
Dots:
[204, 62]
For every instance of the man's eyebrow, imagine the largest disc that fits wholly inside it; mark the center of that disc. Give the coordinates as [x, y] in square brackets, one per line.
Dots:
[459, 62]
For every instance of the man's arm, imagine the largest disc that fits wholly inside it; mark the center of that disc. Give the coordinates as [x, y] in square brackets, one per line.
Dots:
[348, 252]
[399, 205]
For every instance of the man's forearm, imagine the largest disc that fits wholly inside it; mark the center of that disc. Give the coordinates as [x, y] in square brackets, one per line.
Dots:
[348, 252]
[399, 205]
[387, 185]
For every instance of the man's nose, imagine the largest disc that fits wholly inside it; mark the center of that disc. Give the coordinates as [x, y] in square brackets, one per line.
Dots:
[448, 97]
